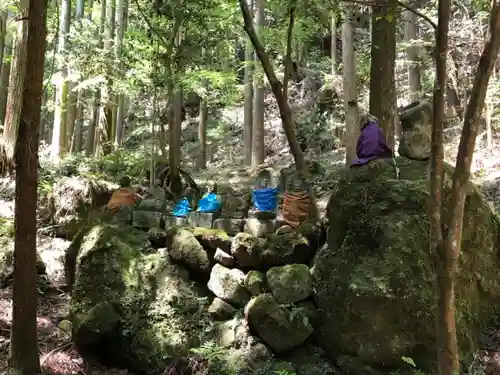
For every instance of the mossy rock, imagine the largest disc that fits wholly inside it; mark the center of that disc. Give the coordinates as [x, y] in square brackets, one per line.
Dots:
[130, 305]
[73, 198]
[272, 250]
[211, 239]
[375, 282]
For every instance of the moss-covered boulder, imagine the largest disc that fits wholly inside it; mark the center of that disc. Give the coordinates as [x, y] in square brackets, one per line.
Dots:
[184, 248]
[281, 328]
[72, 199]
[271, 250]
[291, 283]
[130, 305]
[375, 282]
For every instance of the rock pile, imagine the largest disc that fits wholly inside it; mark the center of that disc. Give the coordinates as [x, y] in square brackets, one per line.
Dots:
[286, 301]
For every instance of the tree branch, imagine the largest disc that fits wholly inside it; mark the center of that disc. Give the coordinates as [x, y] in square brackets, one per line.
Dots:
[400, 4]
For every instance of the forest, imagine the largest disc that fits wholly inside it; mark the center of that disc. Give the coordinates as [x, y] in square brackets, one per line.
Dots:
[247, 187]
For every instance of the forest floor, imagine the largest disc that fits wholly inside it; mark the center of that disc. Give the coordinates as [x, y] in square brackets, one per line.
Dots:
[57, 353]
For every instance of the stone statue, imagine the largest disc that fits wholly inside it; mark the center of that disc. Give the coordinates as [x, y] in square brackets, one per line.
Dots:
[416, 124]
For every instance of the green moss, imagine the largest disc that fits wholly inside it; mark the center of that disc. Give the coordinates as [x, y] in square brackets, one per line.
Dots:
[160, 314]
[378, 264]
[208, 232]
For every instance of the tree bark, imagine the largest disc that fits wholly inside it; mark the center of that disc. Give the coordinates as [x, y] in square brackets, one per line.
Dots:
[4, 78]
[447, 356]
[288, 52]
[383, 59]
[202, 134]
[59, 136]
[449, 363]
[412, 55]
[17, 73]
[258, 131]
[248, 111]
[121, 10]
[24, 344]
[350, 94]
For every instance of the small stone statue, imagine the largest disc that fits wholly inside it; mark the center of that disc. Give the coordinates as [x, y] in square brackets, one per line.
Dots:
[416, 123]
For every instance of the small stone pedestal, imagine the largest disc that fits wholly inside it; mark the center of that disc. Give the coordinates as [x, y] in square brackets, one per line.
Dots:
[230, 226]
[259, 228]
[174, 221]
[201, 219]
[147, 220]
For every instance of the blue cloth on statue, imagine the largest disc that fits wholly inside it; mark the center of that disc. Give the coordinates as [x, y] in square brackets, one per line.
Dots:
[209, 203]
[371, 145]
[182, 209]
[265, 199]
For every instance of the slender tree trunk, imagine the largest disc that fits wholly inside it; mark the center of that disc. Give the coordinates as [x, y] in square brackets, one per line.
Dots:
[258, 132]
[5, 77]
[59, 136]
[248, 114]
[445, 323]
[24, 344]
[18, 70]
[90, 146]
[121, 10]
[107, 121]
[383, 59]
[350, 92]
[3, 35]
[288, 52]
[75, 100]
[202, 134]
[448, 359]
[333, 44]
[412, 55]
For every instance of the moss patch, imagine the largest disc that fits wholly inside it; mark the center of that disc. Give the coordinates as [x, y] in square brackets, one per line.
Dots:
[130, 304]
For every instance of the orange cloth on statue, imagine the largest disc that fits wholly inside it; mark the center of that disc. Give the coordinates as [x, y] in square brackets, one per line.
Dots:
[296, 208]
[122, 197]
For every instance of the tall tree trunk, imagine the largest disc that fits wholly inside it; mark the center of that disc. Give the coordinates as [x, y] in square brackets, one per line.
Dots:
[24, 344]
[5, 77]
[175, 123]
[59, 136]
[350, 92]
[202, 134]
[121, 10]
[18, 71]
[288, 53]
[413, 57]
[93, 144]
[248, 111]
[333, 44]
[107, 125]
[445, 323]
[448, 351]
[258, 133]
[383, 59]
[3, 35]
[75, 100]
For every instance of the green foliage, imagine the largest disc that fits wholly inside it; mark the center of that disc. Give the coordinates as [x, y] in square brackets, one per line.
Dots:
[6, 228]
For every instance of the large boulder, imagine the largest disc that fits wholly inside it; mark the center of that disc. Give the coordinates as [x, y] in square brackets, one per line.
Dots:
[375, 282]
[282, 328]
[72, 199]
[130, 305]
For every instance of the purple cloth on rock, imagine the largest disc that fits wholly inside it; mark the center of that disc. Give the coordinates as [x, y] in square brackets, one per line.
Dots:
[371, 145]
